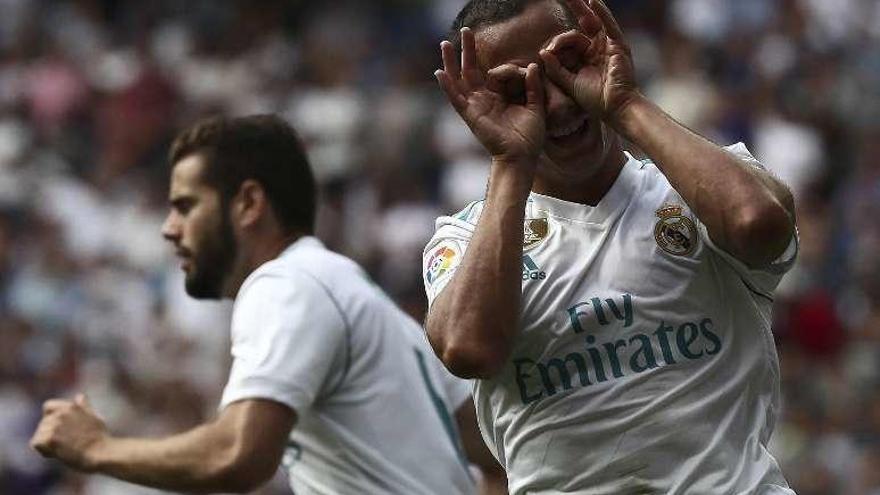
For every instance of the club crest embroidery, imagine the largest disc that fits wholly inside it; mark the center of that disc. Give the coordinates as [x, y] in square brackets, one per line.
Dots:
[535, 230]
[675, 233]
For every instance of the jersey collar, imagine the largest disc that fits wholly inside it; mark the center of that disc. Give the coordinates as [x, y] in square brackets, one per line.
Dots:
[301, 242]
[607, 210]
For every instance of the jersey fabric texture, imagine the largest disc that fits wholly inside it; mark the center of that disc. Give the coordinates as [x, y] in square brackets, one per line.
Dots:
[374, 405]
[645, 362]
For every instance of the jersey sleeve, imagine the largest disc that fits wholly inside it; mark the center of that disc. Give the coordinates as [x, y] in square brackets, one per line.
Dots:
[288, 341]
[765, 279]
[445, 250]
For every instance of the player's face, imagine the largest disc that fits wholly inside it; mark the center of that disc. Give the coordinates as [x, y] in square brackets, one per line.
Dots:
[577, 143]
[198, 226]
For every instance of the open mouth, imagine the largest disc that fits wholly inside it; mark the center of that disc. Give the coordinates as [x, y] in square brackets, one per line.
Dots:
[568, 135]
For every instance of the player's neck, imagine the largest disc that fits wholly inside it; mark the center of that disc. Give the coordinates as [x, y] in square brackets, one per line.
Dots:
[591, 189]
[255, 255]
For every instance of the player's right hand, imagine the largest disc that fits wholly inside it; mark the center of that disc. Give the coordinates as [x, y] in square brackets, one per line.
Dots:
[67, 432]
[504, 108]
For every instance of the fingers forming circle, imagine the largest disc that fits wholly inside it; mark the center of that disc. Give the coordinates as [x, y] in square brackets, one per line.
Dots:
[572, 49]
[509, 81]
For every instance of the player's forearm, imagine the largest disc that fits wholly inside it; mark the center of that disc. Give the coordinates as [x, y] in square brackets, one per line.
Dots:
[746, 210]
[473, 322]
[493, 483]
[198, 461]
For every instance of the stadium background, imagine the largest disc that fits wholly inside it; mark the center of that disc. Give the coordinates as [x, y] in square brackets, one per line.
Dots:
[91, 92]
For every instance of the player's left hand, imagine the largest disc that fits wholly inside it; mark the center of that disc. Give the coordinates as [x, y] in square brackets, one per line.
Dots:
[68, 430]
[593, 64]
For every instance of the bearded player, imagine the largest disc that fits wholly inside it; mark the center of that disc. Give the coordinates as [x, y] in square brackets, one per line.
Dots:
[327, 372]
[615, 312]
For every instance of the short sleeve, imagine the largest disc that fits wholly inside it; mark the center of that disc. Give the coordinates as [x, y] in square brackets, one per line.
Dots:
[742, 152]
[288, 341]
[762, 280]
[445, 250]
[441, 259]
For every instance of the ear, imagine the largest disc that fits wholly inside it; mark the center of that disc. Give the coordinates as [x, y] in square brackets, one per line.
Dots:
[250, 204]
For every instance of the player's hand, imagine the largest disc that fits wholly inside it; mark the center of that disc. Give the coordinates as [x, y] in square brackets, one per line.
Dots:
[504, 109]
[67, 431]
[593, 64]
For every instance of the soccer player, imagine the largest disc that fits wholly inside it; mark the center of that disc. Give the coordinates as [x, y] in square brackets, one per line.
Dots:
[327, 372]
[615, 312]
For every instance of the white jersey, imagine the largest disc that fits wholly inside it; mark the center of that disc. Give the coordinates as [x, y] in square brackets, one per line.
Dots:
[374, 405]
[645, 362]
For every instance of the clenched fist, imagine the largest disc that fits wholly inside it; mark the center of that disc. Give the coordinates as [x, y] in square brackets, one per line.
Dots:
[68, 432]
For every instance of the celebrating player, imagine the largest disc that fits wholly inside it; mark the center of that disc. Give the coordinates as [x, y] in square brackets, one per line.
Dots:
[317, 347]
[615, 312]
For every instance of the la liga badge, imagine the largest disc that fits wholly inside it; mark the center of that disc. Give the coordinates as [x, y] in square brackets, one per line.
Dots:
[441, 261]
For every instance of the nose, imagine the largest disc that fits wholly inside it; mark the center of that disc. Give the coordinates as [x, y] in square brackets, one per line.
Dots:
[171, 228]
[559, 105]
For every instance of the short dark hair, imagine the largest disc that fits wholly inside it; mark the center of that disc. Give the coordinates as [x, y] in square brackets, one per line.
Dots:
[479, 13]
[264, 148]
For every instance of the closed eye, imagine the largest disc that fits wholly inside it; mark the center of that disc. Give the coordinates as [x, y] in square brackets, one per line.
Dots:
[182, 205]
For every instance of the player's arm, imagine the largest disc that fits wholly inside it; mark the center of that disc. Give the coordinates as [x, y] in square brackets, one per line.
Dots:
[747, 211]
[494, 478]
[473, 322]
[237, 452]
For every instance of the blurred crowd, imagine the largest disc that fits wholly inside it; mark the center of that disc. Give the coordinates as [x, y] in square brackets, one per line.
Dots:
[92, 92]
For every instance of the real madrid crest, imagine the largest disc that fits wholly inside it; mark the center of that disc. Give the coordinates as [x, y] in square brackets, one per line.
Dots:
[675, 233]
[535, 230]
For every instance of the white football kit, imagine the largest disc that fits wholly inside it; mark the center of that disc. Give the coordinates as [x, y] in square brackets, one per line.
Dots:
[645, 362]
[374, 405]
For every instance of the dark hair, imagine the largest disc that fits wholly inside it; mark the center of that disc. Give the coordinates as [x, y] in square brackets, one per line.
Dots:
[259, 147]
[479, 13]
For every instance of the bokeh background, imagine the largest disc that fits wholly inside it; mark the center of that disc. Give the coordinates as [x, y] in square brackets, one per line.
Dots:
[92, 91]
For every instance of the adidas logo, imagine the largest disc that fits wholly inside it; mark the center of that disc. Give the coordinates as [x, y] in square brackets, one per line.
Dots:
[531, 270]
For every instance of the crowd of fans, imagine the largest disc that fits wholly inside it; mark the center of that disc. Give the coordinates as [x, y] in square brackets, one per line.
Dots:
[92, 91]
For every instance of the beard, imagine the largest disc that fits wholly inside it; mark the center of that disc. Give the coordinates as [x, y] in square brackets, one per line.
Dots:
[212, 263]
